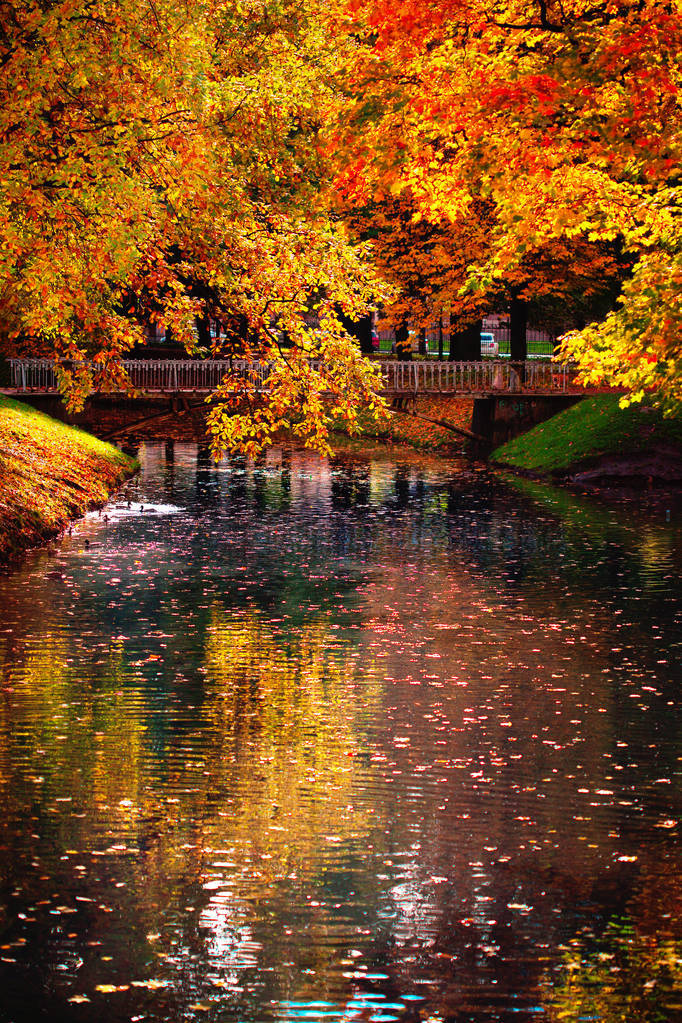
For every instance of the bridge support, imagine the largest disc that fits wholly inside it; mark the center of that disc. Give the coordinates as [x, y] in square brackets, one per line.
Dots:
[403, 402]
[499, 419]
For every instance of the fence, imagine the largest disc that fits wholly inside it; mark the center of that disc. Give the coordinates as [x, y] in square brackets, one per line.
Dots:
[540, 343]
[475, 377]
[173, 375]
[149, 375]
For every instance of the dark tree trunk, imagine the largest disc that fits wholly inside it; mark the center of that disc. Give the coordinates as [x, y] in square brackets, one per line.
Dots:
[204, 331]
[236, 335]
[518, 341]
[403, 345]
[361, 329]
[422, 341]
[455, 346]
[365, 334]
[518, 322]
[472, 341]
[465, 344]
[440, 338]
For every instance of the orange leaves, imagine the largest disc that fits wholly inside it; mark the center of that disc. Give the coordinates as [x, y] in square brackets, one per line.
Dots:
[564, 116]
[109, 125]
[515, 85]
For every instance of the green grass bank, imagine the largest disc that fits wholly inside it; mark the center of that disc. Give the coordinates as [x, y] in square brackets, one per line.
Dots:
[50, 473]
[597, 439]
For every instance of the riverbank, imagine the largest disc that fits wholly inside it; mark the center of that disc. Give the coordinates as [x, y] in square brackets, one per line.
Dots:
[429, 423]
[597, 443]
[50, 473]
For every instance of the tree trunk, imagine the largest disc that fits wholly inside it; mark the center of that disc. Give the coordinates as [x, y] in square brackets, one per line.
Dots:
[203, 331]
[455, 346]
[364, 334]
[422, 341]
[440, 338]
[518, 341]
[518, 322]
[465, 344]
[361, 330]
[403, 345]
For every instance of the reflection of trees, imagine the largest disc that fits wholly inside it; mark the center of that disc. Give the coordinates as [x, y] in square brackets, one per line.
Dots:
[350, 483]
[633, 969]
[289, 706]
[69, 742]
[390, 702]
[602, 547]
[531, 735]
[253, 794]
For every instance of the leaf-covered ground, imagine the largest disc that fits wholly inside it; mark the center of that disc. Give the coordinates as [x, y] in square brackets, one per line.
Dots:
[594, 430]
[50, 473]
[421, 430]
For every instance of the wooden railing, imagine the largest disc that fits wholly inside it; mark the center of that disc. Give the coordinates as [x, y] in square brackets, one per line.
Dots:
[189, 375]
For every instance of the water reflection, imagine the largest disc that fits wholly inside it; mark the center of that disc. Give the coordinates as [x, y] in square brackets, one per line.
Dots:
[348, 739]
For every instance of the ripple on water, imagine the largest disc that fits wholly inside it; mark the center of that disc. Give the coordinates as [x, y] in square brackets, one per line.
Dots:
[114, 512]
[364, 740]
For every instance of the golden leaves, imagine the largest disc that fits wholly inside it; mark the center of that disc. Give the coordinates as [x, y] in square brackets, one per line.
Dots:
[304, 389]
[166, 173]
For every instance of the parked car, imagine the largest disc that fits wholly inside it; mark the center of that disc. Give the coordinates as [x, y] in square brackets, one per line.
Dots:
[489, 345]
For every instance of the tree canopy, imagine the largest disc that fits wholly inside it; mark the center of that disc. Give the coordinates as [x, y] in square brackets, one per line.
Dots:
[160, 162]
[564, 114]
[261, 162]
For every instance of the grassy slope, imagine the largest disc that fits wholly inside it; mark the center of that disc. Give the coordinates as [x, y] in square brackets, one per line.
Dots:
[592, 429]
[49, 473]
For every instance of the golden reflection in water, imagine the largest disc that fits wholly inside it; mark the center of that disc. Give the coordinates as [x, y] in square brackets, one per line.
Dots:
[290, 709]
[265, 805]
[258, 791]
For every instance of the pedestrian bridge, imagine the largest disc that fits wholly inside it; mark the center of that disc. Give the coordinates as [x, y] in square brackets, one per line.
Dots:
[202, 376]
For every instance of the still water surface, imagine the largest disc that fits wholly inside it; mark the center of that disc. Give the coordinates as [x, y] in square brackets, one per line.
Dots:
[368, 739]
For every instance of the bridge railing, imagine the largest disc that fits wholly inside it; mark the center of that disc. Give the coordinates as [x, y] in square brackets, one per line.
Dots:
[163, 375]
[32, 375]
[475, 377]
[172, 375]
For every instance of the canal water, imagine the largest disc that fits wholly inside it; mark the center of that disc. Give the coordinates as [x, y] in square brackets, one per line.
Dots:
[371, 738]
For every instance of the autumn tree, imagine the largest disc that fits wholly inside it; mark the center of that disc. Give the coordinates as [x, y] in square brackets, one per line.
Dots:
[425, 263]
[433, 266]
[161, 162]
[565, 115]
